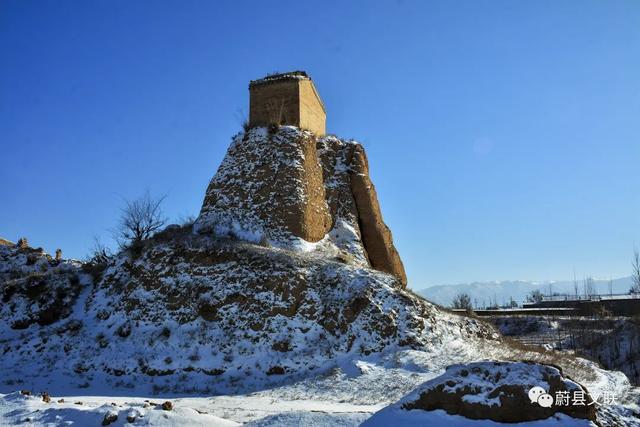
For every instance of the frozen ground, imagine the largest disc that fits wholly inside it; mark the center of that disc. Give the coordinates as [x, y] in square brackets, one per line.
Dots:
[348, 395]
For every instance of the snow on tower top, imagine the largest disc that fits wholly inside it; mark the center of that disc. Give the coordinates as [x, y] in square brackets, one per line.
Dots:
[271, 78]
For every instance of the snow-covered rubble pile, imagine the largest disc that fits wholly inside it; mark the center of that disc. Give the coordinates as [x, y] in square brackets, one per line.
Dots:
[510, 392]
[35, 288]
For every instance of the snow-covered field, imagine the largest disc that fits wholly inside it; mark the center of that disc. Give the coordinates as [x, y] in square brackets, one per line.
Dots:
[348, 395]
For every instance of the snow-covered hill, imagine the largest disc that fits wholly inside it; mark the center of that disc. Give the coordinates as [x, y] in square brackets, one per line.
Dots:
[203, 314]
[268, 334]
[238, 318]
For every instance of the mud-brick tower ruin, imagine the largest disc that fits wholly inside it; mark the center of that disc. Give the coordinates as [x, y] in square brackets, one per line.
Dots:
[287, 99]
[294, 186]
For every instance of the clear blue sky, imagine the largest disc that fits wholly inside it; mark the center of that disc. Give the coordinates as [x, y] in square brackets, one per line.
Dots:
[503, 136]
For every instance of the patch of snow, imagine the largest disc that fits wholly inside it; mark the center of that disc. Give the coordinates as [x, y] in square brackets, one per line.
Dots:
[16, 409]
[393, 416]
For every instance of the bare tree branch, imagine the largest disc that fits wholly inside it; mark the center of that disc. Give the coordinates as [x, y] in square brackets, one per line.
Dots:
[139, 220]
[100, 253]
[462, 301]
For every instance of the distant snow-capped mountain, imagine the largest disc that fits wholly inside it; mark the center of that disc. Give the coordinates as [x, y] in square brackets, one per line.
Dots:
[483, 293]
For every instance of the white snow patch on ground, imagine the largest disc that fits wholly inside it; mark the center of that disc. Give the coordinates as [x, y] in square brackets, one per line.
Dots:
[351, 393]
[83, 411]
[416, 418]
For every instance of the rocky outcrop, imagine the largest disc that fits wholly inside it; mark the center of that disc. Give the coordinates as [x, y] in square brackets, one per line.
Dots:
[501, 392]
[35, 288]
[287, 188]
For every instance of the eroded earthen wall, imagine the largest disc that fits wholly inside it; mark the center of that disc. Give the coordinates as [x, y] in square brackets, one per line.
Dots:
[269, 185]
[276, 102]
[376, 236]
[290, 183]
[312, 114]
[287, 102]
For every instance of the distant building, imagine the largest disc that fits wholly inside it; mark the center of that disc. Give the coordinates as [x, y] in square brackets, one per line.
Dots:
[616, 305]
[287, 99]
